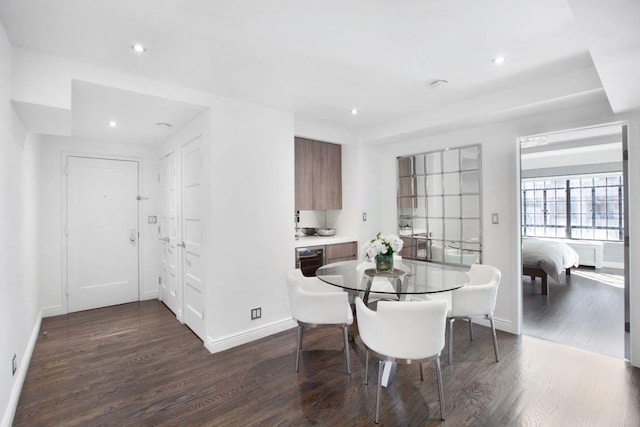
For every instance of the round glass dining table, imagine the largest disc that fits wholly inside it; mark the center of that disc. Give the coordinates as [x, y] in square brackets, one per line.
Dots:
[407, 278]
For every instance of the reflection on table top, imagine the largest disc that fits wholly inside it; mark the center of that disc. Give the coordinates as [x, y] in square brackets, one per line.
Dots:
[418, 277]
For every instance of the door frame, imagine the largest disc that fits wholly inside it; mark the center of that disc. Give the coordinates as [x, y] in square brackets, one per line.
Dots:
[63, 219]
[518, 197]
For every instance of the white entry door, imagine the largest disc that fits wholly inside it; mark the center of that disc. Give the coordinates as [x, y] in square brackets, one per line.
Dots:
[102, 232]
[169, 255]
[192, 204]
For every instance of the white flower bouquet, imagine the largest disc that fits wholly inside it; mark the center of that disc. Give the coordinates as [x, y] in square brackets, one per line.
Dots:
[385, 245]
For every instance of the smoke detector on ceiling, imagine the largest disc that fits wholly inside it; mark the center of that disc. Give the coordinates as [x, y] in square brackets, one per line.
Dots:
[439, 84]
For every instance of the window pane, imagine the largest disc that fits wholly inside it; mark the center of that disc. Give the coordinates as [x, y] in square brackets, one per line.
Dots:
[598, 182]
[593, 211]
[600, 234]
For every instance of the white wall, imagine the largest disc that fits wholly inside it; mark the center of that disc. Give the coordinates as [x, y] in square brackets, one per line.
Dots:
[250, 245]
[54, 148]
[19, 237]
[500, 187]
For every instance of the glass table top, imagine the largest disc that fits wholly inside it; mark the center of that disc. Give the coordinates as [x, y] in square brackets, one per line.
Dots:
[410, 277]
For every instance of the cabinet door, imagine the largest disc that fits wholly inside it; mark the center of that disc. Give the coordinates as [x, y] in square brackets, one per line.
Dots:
[318, 173]
[341, 252]
[327, 176]
[304, 174]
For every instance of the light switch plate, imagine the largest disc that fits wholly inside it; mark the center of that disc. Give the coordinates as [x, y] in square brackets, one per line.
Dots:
[494, 218]
[152, 219]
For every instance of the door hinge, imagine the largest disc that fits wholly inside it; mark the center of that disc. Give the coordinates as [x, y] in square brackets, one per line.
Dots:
[66, 169]
[66, 290]
[159, 280]
[66, 230]
[158, 177]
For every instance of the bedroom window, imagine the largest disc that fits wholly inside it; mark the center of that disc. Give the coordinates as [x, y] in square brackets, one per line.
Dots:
[587, 208]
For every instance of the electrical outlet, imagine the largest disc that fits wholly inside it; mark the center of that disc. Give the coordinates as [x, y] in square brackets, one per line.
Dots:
[14, 365]
[256, 313]
[364, 217]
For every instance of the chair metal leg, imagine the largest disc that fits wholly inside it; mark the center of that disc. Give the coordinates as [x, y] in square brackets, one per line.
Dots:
[440, 388]
[345, 334]
[380, 367]
[421, 372]
[451, 320]
[495, 339]
[299, 347]
[366, 368]
[470, 329]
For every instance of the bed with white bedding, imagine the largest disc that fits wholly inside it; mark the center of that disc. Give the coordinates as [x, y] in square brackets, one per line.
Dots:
[543, 258]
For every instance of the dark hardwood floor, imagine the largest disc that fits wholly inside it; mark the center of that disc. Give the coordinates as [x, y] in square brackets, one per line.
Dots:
[134, 364]
[579, 311]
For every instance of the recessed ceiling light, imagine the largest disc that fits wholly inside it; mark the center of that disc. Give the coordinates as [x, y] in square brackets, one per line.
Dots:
[139, 48]
[112, 123]
[439, 84]
[499, 60]
[354, 111]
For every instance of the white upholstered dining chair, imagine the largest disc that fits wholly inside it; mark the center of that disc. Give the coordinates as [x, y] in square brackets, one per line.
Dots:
[403, 332]
[477, 299]
[315, 303]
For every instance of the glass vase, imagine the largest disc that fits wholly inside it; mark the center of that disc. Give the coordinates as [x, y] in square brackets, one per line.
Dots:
[384, 262]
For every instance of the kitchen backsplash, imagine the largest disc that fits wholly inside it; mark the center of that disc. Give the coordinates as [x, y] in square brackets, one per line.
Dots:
[320, 219]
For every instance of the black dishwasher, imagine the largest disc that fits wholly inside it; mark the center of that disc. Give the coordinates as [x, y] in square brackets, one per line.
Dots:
[309, 260]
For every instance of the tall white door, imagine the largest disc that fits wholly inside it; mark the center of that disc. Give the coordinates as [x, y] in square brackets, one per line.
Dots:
[102, 232]
[169, 258]
[191, 221]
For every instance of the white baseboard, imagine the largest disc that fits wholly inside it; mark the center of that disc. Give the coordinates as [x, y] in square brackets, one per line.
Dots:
[611, 264]
[500, 324]
[53, 311]
[230, 341]
[149, 295]
[21, 373]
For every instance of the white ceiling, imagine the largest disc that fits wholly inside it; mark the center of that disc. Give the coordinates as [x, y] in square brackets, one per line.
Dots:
[318, 59]
[137, 115]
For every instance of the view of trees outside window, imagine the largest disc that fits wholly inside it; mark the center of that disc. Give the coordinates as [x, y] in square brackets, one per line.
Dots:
[577, 208]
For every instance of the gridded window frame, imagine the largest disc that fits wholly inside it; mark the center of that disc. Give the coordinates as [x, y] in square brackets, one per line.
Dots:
[582, 196]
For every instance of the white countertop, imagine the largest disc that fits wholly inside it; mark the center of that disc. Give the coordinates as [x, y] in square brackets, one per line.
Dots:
[305, 241]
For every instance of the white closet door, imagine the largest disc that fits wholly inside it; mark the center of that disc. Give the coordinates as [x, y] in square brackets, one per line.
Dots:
[102, 232]
[191, 221]
[170, 261]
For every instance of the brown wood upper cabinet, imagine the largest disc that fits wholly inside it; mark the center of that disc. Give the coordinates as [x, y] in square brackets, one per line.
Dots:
[318, 175]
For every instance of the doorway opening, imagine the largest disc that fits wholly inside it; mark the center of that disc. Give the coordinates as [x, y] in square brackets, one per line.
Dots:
[573, 234]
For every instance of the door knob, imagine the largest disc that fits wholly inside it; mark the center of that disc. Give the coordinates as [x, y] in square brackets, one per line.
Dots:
[181, 245]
